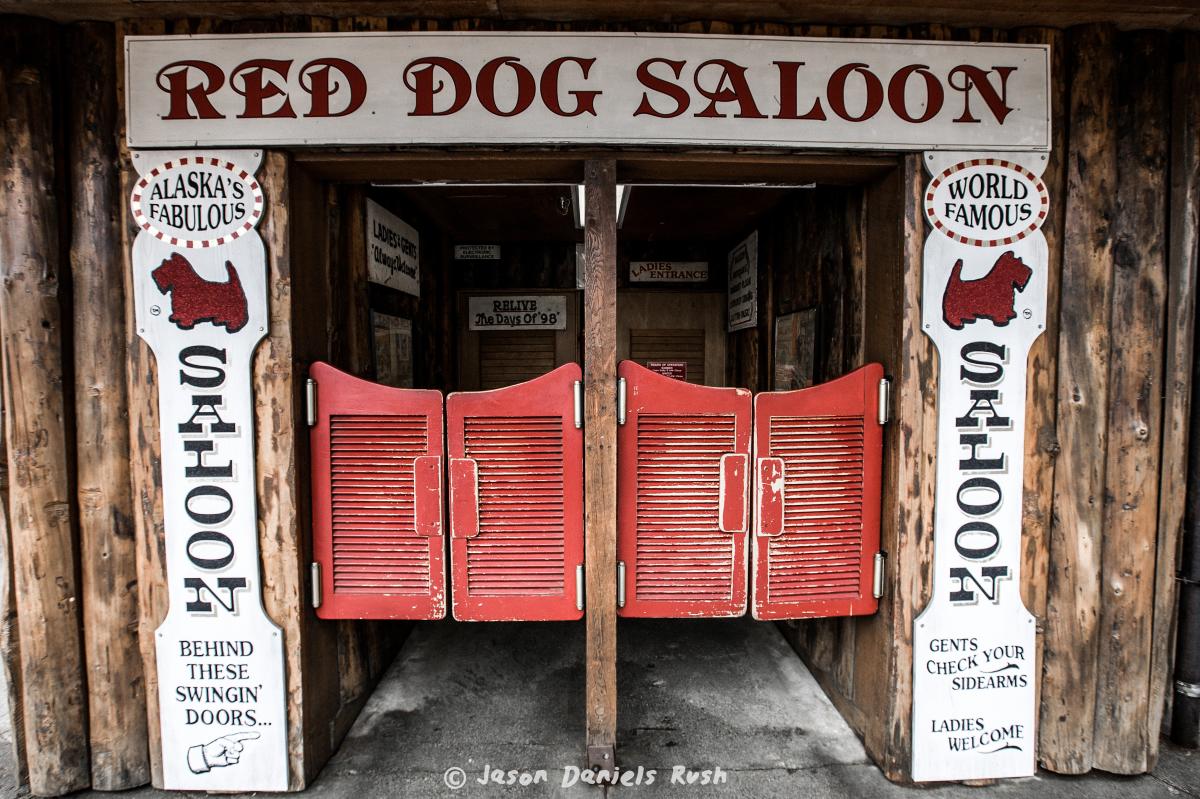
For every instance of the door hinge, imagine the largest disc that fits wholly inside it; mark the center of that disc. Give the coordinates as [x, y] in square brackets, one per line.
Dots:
[877, 590]
[315, 572]
[310, 402]
[620, 583]
[885, 401]
[578, 389]
[579, 587]
[620, 400]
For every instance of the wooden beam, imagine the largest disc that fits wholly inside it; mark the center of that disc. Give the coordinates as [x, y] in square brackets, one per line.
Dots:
[1182, 257]
[1041, 401]
[277, 423]
[600, 454]
[116, 687]
[472, 14]
[909, 542]
[1073, 605]
[1139, 237]
[45, 558]
[10, 627]
[144, 438]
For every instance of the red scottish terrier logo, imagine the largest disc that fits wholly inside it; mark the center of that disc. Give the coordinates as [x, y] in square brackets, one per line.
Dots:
[195, 300]
[989, 297]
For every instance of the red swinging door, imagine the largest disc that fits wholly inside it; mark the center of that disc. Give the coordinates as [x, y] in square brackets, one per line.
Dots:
[516, 500]
[377, 499]
[683, 454]
[818, 457]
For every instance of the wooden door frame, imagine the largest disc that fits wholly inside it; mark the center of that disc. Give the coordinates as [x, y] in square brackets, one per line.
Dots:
[599, 172]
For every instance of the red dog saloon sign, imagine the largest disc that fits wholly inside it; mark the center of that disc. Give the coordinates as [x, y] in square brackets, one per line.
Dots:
[983, 304]
[619, 88]
[201, 304]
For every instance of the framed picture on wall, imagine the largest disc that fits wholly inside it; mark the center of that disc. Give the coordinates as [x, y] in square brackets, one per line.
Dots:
[393, 350]
[795, 339]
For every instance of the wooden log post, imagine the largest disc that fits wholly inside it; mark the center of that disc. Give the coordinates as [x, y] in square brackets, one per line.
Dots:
[10, 644]
[909, 496]
[1182, 258]
[1041, 403]
[116, 686]
[1073, 605]
[1139, 241]
[145, 446]
[278, 421]
[44, 553]
[600, 456]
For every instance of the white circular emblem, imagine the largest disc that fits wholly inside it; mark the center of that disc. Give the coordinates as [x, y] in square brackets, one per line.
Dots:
[197, 201]
[986, 202]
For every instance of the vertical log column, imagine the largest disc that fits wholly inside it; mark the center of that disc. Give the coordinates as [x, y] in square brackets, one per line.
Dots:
[1073, 606]
[1123, 741]
[43, 542]
[600, 455]
[1183, 254]
[116, 685]
[141, 376]
[1041, 403]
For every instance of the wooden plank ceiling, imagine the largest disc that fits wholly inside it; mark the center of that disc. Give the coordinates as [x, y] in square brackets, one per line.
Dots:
[1013, 13]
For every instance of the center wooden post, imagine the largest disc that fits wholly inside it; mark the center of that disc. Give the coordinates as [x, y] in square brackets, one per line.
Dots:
[600, 455]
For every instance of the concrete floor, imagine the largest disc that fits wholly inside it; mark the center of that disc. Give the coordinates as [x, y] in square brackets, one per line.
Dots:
[696, 694]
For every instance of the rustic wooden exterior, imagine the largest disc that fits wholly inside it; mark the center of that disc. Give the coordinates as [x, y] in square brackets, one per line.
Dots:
[82, 586]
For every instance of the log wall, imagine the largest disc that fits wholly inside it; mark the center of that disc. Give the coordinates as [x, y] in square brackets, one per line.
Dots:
[1107, 414]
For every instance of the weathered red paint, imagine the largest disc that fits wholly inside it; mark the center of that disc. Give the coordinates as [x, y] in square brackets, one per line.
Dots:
[516, 499]
[682, 496]
[377, 499]
[819, 453]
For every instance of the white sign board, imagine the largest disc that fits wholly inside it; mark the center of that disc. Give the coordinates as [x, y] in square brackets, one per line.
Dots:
[585, 88]
[510, 312]
[743, 284]
[393, 350]
[393, 251]
[477, 252]
[983, 304]
[668, 271]
[200, 298]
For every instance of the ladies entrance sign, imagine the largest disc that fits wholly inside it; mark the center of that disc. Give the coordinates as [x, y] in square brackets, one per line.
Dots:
[201, 304]
[621, 88]
[983, 304]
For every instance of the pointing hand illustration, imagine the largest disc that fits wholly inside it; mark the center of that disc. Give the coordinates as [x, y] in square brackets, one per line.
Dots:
[224, 751]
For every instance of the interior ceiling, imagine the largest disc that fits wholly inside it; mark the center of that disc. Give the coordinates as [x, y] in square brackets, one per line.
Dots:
[1012, 13]
[485, 214]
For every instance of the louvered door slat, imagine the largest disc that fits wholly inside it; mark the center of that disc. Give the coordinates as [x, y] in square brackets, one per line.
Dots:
[377, 499]
[516, 500]
[819, 453]
[681, 512]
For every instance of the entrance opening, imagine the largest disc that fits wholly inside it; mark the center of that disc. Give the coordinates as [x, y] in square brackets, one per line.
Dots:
[497, 305]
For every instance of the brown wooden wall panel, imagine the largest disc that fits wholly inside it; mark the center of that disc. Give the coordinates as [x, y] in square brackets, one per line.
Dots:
[510, 357]
[670, 345]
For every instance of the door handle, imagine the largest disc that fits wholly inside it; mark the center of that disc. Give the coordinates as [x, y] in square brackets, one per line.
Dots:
[464, 498]
[733, 500]
[769, 520]
[427, 495]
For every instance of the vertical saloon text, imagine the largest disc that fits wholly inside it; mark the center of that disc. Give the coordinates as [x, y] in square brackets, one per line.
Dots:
[208, 505]
[716, 88]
